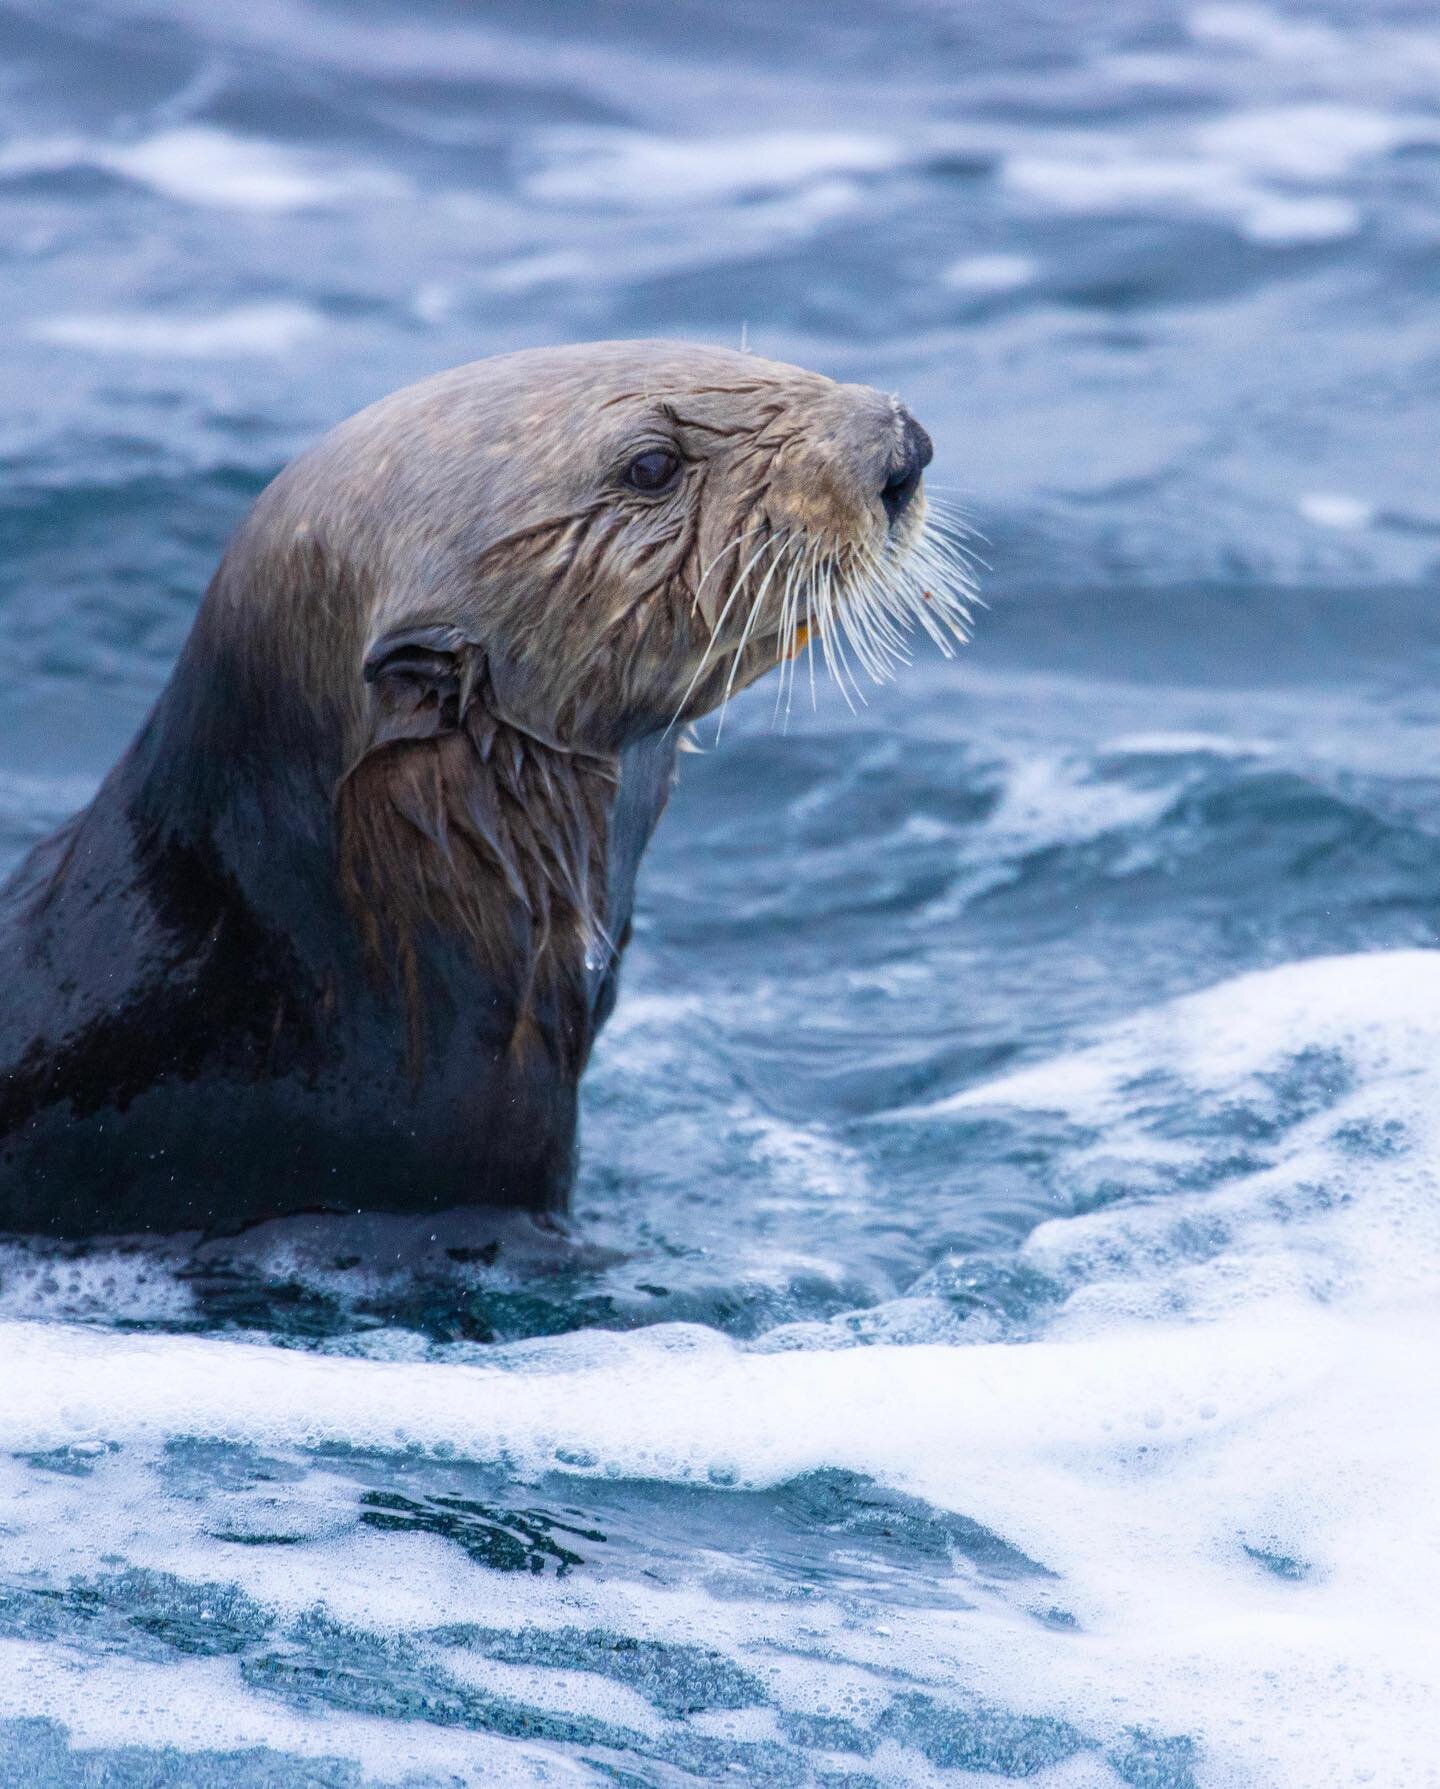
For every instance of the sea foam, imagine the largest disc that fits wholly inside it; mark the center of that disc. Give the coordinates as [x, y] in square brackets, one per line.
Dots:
[1217, 1447]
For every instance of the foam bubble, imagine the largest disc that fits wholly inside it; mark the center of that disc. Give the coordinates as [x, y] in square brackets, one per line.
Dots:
[112, 1285]
[1146, 1466]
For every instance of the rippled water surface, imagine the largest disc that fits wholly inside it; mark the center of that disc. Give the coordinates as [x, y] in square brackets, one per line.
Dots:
[997, 1334]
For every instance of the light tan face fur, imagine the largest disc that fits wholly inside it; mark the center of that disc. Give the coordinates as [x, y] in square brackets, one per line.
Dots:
[493, 501]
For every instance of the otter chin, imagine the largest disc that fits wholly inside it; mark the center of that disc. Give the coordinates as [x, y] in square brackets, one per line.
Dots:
[339, 930]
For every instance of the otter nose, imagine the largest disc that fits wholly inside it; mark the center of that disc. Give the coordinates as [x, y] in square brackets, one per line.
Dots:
[913, 455]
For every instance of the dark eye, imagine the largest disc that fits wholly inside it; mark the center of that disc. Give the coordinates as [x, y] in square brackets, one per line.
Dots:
[654, 470]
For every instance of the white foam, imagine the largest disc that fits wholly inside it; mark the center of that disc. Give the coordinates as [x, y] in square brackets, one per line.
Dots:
[1220, 1444]
[805, 1159]
[1268, 170]
[1377, 1007]
[1114, 178]
[1264, 33]
[198, 1705]
[1049, 801]
[1182, 744]
[526, 273]
[1130, 178]
[1311, 140]
[1283, 222]
[201, 165]
[243, 330]
[1334, 509]
[1294, 1423]
[116, 1285]
[991, 273]
[641, 171]
[1138, 1464]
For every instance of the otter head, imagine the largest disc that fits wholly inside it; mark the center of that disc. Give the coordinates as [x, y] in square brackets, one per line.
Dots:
[613, 537]
[536, 561]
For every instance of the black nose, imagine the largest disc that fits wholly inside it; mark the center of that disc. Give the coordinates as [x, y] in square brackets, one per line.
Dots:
[914, 454]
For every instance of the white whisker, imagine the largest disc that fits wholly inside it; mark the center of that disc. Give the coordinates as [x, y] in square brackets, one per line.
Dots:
[719, 559]
[782, 541]
[789, 635]
[710, 644]
[810, 627]
[860, 605]
[832, 636]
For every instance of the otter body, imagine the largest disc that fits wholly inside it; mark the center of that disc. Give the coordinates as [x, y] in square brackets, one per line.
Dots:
[339, 930]
[177, 1054]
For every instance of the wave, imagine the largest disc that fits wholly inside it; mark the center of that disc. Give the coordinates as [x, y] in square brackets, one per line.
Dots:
[203, 165]
[243, 329]
[641, 171]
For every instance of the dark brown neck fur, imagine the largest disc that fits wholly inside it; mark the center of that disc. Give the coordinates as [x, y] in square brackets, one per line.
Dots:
[486, 834]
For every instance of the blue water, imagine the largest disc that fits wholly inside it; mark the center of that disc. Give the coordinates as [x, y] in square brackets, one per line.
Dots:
[995, 1338]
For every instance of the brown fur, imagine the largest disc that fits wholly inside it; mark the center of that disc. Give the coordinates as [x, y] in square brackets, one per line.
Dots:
[492, 837]
[487, 503]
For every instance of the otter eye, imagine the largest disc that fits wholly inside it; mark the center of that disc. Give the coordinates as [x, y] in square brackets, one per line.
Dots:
[653, 470]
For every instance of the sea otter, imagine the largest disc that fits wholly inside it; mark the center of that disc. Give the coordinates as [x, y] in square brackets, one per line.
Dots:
[339, 929]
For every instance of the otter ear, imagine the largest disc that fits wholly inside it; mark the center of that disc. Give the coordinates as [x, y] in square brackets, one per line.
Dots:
[420, 679]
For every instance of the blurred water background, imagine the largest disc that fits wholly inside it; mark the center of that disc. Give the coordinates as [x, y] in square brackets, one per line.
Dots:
[997, 1336]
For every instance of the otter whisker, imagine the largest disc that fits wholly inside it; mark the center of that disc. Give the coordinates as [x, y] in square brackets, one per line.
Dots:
[940, 528]
[942, 496]
[788, 634]
[965, 564]
[831, 643]
[804, 586]
[810, 625]
[719, 559]
[865, 617]
[869, 601]
[796, 586]
[879, 617]
[715, 632]
[837, 591]
[953, 582]
[782, 541]
[953, 524]
[931, 602]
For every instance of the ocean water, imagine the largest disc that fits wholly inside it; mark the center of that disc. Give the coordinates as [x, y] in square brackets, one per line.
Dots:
[997, 1334]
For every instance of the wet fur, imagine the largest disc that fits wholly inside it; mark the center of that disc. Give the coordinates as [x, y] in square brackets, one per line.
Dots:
[487, 835]
[341, 926]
